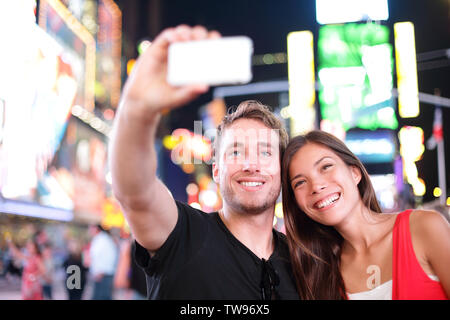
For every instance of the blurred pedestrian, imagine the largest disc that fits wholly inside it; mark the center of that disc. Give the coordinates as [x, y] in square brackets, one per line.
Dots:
[41, 238]
[130, 278]
[74, 263]
[47, 277]
[103, 262]
[33, 269]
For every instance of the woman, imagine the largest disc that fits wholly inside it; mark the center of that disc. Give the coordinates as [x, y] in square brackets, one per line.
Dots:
[341, 244]
[33, 269]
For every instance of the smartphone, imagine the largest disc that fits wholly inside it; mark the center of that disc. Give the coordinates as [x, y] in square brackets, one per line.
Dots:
[212, 62]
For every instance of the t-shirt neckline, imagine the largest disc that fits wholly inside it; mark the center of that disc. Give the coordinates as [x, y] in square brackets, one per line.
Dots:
[237, 242]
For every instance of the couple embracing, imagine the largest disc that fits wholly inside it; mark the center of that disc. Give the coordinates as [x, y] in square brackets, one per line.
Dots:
[335, 230]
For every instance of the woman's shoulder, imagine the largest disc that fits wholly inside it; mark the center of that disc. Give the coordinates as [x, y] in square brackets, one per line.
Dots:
[425, 221]
[428, 228]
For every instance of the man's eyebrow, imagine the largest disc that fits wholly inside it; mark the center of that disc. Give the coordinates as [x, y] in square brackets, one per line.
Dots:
[265, 144]
[234, 145]
[315, 164]
[240, 145]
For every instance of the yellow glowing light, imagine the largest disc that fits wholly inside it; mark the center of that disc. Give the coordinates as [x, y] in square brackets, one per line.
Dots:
[112, 215]
[411, 150]
[405, 57]
[448, 201]
[279, 210]
[275, 220]
[419, 188]
[301, 76]
[84, 35]
[201, 147]
[411, 143]
[170, 142]
[437, 192]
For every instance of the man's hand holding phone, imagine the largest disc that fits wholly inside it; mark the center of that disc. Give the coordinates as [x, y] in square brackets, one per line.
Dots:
[147, 90]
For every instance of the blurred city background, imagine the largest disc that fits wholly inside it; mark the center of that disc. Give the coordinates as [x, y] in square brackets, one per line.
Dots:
[374, 73]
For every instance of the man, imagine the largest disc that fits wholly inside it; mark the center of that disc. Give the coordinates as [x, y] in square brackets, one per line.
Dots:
[186, 253]
[103, 262]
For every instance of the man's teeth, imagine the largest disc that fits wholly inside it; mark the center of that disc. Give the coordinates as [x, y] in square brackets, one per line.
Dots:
[251, 184]
[327, 202]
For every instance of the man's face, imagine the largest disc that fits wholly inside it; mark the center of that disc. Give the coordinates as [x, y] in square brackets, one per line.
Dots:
[247, 168]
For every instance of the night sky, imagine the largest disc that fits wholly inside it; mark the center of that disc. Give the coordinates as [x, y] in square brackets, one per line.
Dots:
[267, 23]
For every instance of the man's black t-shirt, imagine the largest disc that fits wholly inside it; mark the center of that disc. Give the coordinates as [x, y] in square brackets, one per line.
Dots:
[202, 260]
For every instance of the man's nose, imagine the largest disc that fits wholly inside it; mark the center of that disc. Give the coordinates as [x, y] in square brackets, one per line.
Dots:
[251, 163]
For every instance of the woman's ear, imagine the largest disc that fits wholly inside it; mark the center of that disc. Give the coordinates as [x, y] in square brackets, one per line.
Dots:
[356, 174]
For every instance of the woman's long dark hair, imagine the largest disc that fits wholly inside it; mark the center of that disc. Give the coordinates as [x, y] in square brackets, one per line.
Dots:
[315, 248]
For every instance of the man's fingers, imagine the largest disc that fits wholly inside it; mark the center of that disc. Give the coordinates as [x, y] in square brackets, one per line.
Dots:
[214, 34]
[164, 38]
[158, 48]
[180, 33]
[199, 33]
[183, 33]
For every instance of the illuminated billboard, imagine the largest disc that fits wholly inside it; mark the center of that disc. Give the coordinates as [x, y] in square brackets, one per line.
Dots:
[109, 38]
[405, 57]
[339, 11]
[355, 70]
[302, 92]
[78, 47]
[372, 147]
[51, 164]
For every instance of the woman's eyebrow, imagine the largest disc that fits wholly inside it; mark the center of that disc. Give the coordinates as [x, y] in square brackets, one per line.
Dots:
[315, 164]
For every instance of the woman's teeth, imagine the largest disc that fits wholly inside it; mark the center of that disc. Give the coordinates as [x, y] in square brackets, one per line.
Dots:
[328, 201]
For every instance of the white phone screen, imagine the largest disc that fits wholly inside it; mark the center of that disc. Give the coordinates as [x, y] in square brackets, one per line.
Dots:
[213, 62]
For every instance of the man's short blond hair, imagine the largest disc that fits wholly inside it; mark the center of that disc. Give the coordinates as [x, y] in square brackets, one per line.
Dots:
[252, 109]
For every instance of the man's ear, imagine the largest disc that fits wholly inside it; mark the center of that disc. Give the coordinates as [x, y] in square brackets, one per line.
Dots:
[356, 174]
[215, 172]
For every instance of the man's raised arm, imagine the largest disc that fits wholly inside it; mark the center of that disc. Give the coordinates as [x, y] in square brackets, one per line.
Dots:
[148, 206]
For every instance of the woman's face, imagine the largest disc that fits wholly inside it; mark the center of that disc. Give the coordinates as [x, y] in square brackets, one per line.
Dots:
[325, 187]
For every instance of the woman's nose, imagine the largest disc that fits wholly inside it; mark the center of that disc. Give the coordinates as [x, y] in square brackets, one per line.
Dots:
[318, 186]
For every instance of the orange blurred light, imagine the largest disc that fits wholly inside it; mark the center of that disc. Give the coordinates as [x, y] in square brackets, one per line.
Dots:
[130, 65]
[188, 168]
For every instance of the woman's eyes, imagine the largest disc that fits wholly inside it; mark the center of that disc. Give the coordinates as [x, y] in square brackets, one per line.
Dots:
[299, 183]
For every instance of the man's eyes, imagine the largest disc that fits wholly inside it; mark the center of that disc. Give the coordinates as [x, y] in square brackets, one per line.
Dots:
[236, 153]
